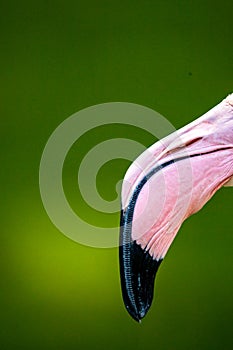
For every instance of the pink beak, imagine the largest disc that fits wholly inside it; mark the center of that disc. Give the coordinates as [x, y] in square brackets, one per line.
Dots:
[170, 181]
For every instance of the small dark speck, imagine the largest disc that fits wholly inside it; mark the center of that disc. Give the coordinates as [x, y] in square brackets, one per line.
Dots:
[190, 73]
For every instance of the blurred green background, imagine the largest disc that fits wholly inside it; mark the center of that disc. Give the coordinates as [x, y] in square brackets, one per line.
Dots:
[59, 57]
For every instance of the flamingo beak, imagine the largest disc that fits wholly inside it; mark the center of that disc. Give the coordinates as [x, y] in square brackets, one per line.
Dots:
[203, 150]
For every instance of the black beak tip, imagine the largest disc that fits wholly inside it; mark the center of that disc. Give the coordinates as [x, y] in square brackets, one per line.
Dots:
[137, 271]
[137, 279]
[136, 315]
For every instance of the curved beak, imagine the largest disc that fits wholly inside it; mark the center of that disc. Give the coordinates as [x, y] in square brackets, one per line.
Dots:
[206, 147]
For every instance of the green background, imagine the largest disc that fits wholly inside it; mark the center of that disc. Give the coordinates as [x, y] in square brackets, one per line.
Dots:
[58, 57]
